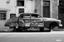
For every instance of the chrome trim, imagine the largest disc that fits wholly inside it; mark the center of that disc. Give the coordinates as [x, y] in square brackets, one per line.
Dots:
[60, 25]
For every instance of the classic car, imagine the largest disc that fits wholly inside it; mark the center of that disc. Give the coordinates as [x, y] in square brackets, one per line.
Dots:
[33, 20]
[26, 21]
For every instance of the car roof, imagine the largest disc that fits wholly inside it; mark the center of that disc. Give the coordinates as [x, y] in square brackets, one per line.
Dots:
[29, 14]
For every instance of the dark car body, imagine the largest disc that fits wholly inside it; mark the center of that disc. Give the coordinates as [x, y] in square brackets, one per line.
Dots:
[32, 20]
[12, 22]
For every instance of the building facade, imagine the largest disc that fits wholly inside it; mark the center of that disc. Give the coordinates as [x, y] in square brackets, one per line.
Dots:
[10, 8]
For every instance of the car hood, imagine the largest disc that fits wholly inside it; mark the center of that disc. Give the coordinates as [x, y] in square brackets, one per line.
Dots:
[50, 19]
[44, 18]
[47, 19]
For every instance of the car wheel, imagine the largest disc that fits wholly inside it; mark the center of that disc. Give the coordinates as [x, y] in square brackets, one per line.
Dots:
[54, 28]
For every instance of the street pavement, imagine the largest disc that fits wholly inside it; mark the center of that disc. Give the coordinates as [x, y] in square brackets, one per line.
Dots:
[53, 36]
[8, 30]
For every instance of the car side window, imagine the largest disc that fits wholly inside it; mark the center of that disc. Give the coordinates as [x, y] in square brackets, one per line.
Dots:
[35, 15]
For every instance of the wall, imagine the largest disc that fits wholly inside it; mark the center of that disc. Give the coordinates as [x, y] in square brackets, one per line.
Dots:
[54, 8]
[38, 6]
[10, 7]
[29, 6]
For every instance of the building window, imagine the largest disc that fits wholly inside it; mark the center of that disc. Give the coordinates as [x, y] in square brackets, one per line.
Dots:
[46, 3]
[61, 7]
[21, 10]
[46, 8]
[46, 0]
[46, 11]
[2, 15]
[12, 15]
[20, 2]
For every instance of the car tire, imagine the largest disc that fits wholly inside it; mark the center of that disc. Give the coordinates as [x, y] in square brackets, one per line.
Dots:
[54, 28]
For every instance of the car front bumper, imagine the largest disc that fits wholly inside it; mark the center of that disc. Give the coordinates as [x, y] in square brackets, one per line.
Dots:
[60, 25]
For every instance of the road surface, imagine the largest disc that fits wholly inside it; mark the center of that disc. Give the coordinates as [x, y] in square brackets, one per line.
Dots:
[33, 37]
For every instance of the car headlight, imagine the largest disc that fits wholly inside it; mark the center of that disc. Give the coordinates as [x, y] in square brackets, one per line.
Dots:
[60, 24]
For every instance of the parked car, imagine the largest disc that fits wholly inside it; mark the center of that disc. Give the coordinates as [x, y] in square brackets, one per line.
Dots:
[36, 21]
[26, 21]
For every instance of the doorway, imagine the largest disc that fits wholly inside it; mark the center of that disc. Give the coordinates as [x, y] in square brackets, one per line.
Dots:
[46, 8]
[46, 11]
